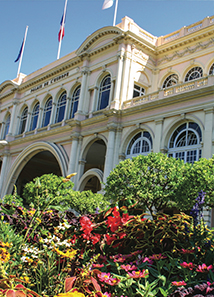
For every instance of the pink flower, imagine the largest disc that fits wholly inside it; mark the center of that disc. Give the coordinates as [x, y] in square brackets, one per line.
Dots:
[188, 265]
[157, 257]
[108, 279]
[181, 283]
[183, 251]
[128, 267]
[138, 274]
[97, 265]
[204, 268]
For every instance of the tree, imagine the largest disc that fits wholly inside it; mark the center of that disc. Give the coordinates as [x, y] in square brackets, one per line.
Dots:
[199, 177]
[151, 181]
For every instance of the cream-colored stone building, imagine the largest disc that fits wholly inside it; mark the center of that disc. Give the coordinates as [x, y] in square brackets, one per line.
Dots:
[123, 92]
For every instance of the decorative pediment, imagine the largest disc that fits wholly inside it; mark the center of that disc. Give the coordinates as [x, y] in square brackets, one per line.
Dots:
[7, 87]
[99, 39]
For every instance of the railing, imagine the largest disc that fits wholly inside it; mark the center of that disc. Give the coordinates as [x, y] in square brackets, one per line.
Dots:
[176, 89]
[186, 30]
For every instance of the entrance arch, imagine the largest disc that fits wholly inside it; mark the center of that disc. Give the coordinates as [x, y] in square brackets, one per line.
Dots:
[91, 180]
[51, 156]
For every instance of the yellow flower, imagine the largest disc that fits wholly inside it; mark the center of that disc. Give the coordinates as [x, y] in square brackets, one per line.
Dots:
[68, 254]
[70, 294]
[4, 255]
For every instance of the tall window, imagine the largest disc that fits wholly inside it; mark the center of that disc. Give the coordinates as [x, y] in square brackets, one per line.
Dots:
[104, 92]
[7, 126]
[138, 91]
[141, 143]
[170, 81]
[35, 115]
[194, 73]
[60, 110]
[47, 112]
[211, 72]
[75, 101]
[23, 120]
[185, 143]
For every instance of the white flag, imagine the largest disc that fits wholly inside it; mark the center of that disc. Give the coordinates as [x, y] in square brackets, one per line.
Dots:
[107, 4]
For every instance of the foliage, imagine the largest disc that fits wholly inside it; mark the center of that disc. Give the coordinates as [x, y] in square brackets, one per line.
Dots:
[156, 182]
[151, 181]
[53, 192]
[200, 176]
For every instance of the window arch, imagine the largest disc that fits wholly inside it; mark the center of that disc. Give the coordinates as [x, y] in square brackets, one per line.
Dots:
[7, 126]
[170, 81]
[75, 101]
[104, 92]
[211, 71]
[138, 91]
[194, 73]
[23, 120]
[35, 115]
[47, 112]
[185, 142]
[141, 143]
[60, 110]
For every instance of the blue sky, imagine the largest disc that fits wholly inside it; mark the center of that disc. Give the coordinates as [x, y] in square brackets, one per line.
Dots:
[159, 17]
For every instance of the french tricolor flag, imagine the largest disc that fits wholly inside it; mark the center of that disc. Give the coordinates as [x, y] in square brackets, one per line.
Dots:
[62, 28]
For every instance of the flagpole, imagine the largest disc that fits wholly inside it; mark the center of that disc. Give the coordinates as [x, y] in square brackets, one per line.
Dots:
[20, 61]
[115, 12]
[63, 22]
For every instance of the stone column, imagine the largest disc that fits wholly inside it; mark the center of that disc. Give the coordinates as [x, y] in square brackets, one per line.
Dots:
[73, 153]
[94, 101]
[117, 146]
[125, 74]
[53, 114]
[28, 121]
[116, 100]
[208, 130]
[12, 128]
[67, 108]
[110, 151]
[80, 109]
[39, 122]
[158, 135]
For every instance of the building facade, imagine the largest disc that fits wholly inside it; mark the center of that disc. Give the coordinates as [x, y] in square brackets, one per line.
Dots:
[124, 92]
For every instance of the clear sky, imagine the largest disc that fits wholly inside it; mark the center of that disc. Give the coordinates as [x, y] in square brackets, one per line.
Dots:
[158, 17]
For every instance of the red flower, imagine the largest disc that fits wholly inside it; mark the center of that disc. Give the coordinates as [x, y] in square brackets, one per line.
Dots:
[95, 238]
[181, 283]
[128, 267]
[183, 251]
[110, 239]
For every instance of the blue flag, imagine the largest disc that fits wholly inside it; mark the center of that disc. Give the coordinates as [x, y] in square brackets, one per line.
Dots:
[20, 52]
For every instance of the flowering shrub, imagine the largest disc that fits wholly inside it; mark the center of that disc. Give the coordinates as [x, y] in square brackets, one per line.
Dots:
[113, 253]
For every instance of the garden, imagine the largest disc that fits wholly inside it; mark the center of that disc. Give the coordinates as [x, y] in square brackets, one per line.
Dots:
[145, 236]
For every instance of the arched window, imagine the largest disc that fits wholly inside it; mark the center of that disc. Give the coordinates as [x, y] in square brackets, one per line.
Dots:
[138, 91]
[194, 73]
[170, 81]
[211, 71]
[60, 110]
[7, 126]
[47, 112]
[104, 92]
[185, 143]
[74, 102]
[141, 143]
[23, 120]
[35, 115]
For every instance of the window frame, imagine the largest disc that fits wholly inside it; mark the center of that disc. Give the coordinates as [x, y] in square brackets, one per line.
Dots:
[34, 116]
[104, 91]
[47, 112]
[23, 120]
[61, 106]
[140, 137]
[188, 152]
[75, 101]
[189, 76]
